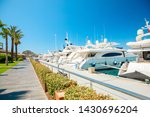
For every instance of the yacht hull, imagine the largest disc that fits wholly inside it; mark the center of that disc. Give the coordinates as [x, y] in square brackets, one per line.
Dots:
[136, 71]
[105, 63]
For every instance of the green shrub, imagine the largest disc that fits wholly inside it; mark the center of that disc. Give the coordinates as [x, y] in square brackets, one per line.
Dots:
[21, 56]
[41, 70]
[3, 56]
[84, 93]
[53, 81]
[20, 59]
[58, 82]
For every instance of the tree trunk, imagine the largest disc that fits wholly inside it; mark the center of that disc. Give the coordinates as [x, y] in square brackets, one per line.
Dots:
[12, 49]
[16, 51]
[6, 59]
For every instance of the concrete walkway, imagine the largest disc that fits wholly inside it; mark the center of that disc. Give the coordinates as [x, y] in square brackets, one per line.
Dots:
[21, 83]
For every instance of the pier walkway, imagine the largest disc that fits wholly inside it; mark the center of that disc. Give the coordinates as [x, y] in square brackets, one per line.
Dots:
[21, 83]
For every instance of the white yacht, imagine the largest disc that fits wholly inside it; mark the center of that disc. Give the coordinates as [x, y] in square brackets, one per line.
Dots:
[101, 56]
[140, 69]
[61, 57]
[45, 57]
[68, 53]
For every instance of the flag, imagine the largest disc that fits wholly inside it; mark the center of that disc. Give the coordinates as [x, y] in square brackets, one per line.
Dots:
[148, 29]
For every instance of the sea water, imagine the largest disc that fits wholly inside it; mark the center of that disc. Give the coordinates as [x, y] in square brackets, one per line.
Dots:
[112, 71]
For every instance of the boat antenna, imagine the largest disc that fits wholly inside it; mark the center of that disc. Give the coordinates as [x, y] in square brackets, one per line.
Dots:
[67, 35]
[77, 38]
[97, 36]
[102, 37]
[94, 33]
[87, 38]
[66, 40]
[104, 30]
[147, 22]
[55, 42]
[147, 26]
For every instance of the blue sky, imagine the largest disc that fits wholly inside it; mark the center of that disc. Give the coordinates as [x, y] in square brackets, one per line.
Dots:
[41, 19]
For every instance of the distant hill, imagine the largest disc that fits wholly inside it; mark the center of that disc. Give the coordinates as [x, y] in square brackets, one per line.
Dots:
[29, 53]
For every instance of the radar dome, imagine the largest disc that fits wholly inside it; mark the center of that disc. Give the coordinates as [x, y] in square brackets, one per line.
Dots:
[140, 32]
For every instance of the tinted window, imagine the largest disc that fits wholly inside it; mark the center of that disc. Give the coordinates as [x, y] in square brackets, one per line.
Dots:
[146, 55]
[112, 54]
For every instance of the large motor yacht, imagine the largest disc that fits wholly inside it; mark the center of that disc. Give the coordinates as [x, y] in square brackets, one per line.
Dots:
[140, 69]
[101, 56]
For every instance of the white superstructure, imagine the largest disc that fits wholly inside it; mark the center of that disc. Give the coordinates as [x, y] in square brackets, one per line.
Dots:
[141, 68]
[102, 58]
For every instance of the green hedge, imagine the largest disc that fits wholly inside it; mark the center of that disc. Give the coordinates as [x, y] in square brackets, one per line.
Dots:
[21, 56]
[20, 59]
[53, 81]
[3, 56]
[84, 93]
[41, 70]
[56, 82]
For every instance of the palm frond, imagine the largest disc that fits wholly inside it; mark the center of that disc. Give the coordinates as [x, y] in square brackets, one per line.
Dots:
[4, 33]
[2, 24]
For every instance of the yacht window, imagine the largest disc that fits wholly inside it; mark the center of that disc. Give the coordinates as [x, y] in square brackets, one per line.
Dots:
[91, 54]
[112, 54]
[68, 54]
[146, 55]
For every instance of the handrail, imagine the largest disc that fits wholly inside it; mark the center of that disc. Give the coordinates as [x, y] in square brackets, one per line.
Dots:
[131, 93]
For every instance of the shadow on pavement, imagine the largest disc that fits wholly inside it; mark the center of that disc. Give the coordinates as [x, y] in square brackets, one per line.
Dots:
[3, 74]
[13, 95]
[18, 67]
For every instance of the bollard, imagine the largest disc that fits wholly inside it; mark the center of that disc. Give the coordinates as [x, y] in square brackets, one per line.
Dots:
[91, 70]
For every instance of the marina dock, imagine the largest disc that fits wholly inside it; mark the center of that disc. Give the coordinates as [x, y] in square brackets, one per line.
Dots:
[118, 87]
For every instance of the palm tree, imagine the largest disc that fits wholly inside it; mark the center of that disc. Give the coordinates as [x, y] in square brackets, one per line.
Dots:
[12, 31]
[18, 36]
[5, 34]
[2, 24]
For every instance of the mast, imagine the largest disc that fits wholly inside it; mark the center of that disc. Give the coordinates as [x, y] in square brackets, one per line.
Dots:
[104, 30]
[102, 38]
[55, 42]
[87, 38]
[94, 34]
[77, 39]
[147, 26]
[66, 39]
[67, 35]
